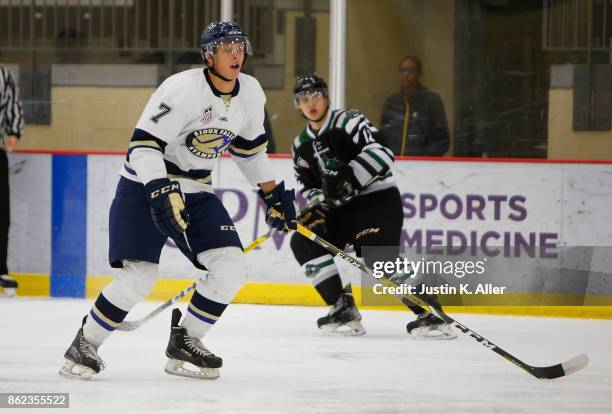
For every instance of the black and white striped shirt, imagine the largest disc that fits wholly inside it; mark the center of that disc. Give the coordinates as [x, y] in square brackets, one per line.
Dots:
[11, 113]
[349, 135]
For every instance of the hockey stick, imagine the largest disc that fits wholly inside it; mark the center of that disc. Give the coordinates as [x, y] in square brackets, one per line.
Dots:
[549, 372]
[133, 325]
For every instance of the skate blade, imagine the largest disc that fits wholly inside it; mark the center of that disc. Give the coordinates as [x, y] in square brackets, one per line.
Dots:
[352, 328]
[186, 369]
[437, 333]
[8, 292]
[77, 371]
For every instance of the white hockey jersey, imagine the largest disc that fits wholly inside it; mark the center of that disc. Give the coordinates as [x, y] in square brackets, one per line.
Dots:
[192, 124]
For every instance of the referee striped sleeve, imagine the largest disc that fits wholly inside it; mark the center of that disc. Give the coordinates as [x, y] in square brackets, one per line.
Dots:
[11, 118]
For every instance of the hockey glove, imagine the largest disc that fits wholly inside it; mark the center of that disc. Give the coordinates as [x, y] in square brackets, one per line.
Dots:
[338, 182]
[280, 213]
[313, 215]
[314, 220]
[167, 207]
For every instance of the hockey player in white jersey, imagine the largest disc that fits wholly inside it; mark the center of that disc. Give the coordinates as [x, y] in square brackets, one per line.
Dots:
[164, 191]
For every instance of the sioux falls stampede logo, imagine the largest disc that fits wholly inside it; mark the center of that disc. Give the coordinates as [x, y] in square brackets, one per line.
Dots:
[209, 142]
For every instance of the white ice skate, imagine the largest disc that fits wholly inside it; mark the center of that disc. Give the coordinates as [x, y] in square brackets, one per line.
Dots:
[430, 327]
[8, 286]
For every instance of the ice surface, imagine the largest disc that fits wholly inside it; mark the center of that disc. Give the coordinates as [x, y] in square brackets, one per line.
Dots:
[276, 361]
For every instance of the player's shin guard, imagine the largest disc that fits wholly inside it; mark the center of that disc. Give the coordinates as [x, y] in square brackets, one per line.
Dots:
[134, 282]
[330, 289]
[343, 317]
[82, 359]
[202, 314]
[102, 320]
[325, 277]
[132, 285]
[227, 266]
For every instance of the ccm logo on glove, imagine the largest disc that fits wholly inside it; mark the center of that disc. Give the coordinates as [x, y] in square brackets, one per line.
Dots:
[173, 186]
[167, 207]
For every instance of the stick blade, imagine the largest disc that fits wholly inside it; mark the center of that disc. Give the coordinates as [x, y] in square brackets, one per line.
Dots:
[575, 364]
[560, 370]
[127, 326]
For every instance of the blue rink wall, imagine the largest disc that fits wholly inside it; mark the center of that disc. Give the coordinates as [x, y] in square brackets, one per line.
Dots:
[68, 225]
[59, 224]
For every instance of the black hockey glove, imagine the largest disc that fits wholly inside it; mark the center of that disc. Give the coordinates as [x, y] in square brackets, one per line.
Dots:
[281, 208]
[167, 207]
[313, 215]
[338, 182]
[314, 220]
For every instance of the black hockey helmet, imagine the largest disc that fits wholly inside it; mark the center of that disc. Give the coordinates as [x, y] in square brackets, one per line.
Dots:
[305, 85]
[223, 32]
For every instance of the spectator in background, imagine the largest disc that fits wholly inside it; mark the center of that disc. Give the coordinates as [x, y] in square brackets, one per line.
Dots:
[70, 45]
[413, 121]
[11, 122]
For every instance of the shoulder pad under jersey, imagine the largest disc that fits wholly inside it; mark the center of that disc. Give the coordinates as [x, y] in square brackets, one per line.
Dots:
[353, 113]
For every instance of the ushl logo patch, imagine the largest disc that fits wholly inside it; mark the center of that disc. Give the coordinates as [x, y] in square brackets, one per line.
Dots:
[207, 115]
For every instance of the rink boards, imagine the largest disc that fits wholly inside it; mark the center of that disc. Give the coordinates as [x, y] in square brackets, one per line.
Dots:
[60, 202]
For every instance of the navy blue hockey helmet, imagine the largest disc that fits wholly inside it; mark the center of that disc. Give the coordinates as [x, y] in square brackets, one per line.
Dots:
[305, 85]
[222, 33]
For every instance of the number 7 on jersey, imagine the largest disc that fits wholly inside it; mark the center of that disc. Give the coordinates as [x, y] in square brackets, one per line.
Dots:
[164, 110]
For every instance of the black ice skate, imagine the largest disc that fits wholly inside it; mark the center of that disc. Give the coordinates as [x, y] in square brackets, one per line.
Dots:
[8, 285]
[82, 359]
[187, 357]
[343, 319]
[429, 326]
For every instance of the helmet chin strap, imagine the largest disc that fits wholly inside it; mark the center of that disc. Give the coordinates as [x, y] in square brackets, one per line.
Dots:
[212, 70]
[322, 117]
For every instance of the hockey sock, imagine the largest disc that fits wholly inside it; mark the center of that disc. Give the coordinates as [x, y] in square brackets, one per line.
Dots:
[102, 320]
[325, 277]
[430, 299]
[416, 309]
[131, 285]
[330, 289]
[201, 315]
